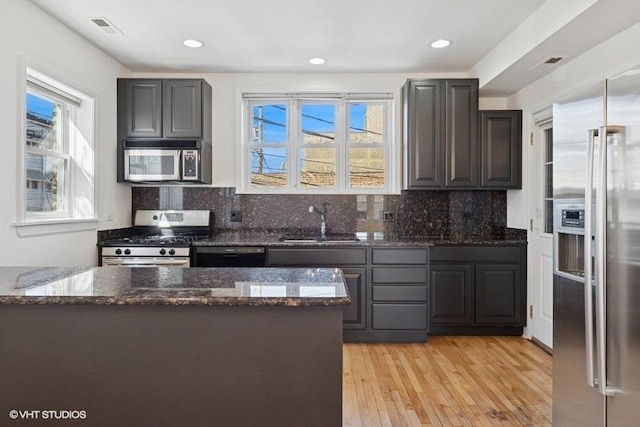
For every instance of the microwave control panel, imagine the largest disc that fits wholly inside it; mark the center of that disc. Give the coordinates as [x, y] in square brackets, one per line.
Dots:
[190, 165]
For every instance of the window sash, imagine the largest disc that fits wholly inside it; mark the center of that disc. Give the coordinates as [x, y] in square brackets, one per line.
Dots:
[66, 103]
[295, 141]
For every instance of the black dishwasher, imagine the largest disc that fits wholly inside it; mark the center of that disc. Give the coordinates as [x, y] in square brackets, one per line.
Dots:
[228, 256]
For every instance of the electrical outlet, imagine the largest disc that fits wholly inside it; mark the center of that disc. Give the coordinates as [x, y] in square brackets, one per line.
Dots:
[236, 216]
[388, 216]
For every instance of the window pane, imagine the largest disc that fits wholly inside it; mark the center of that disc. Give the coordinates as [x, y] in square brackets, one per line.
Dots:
[317, 167]
[45, 183]
[366, 123]
[269, 167]
[548, 218]
[318, 123]
[548, 180]
[366, 167]
[269, 124]
[43, 123]
[548, 136]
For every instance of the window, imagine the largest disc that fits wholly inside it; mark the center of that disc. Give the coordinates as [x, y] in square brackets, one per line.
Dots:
[547, 183]
[58, 163]
[319, 143]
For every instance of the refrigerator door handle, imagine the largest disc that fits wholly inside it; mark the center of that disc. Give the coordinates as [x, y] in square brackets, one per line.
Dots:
[588, 269]
[601, 257]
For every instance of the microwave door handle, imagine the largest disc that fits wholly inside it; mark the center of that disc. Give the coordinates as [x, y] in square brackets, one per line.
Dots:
[588, 269]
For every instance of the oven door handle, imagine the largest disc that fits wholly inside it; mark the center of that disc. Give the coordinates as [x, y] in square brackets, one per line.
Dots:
[155, 262]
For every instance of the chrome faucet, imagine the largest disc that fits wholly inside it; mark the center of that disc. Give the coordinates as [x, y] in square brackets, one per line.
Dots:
[323, 218]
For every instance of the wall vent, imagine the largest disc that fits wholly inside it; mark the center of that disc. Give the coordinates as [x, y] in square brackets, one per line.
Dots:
[106, 26]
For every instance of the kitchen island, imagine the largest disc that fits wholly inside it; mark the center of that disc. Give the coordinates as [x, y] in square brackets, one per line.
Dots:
[169, 346]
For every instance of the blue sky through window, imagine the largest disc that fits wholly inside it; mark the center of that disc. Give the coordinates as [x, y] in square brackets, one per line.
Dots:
[39, 106]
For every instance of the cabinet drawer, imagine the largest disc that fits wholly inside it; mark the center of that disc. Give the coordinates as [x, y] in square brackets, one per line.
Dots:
[399, 256]
[316, 257]
[395, 293]
[399, 275]
[399, 316]
[475, 253]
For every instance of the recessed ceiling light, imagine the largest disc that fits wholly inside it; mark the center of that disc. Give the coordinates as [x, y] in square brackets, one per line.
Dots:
[317, 61]
[439, 44]
[192, 43]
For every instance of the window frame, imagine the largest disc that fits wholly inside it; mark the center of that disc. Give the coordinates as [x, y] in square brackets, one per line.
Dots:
[77, 151]
[294, 143]
[33, 88]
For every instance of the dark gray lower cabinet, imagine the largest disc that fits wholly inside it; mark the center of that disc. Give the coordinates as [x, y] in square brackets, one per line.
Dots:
[405, 294]
[478, 290]
[451, 297]
[388, 288]
[352, 262]
[354, 314]
[498, 294]
[399, 295]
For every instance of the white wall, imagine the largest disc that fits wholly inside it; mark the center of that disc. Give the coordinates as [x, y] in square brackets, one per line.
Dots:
[607, 59]
[28, 35]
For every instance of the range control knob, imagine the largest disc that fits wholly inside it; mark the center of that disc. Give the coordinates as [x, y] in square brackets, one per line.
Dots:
[155, 217]
[163, 251]
[172, 251]
[127, 251]
[118, 251]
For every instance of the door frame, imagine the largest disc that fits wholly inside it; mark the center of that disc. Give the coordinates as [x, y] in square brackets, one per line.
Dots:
[539, 121]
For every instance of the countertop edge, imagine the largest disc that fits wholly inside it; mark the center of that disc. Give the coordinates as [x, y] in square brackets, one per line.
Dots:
[211, 302]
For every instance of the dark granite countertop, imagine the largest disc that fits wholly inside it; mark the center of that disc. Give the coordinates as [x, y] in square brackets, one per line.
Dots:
[173, 286]
[260, 238]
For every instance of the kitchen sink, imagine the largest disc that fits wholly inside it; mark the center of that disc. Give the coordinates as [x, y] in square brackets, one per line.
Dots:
[330, 238]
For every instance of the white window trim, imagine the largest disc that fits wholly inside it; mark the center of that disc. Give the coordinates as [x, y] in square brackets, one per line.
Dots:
[393, 147]
[55, 222]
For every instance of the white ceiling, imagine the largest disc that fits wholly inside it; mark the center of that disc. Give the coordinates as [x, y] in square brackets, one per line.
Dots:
[353, 35]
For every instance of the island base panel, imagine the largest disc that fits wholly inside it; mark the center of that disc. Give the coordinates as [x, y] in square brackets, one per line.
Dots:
[173, 365]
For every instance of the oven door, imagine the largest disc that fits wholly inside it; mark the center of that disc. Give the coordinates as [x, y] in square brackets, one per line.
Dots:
[108, 261]
[152, 165]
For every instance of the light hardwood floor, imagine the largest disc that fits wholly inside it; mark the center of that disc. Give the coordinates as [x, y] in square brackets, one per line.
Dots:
[448, 381]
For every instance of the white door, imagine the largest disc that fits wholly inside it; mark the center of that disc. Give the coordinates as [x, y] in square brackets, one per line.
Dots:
[541, 231]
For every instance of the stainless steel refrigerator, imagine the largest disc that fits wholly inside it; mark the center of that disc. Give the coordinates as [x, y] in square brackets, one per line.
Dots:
[596, 180]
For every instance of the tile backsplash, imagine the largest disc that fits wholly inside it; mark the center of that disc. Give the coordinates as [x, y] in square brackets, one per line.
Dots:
[414, 213]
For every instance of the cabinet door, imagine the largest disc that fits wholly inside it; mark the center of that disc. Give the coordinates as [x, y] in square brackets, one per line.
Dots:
[451, 294]
[461, 133]
[424, 133]
[501, 133]
[183, 108]
[498, 294]
[143, 99]
[354, 314]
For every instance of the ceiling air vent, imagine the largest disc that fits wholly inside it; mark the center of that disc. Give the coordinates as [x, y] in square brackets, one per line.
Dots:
[106, 26]
[553, 60]
[548, 62]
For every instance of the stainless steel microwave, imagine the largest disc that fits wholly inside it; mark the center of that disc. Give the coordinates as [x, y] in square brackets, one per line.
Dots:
[141, 164]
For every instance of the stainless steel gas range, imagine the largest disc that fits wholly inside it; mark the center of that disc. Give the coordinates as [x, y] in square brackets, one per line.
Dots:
[161, 238]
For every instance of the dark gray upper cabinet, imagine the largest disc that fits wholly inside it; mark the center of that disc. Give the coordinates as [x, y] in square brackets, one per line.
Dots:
[424, 132]
[440, 133]
[143, 107]
[182, 107]
[164, 108]
[501, 133]
[461, 99]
